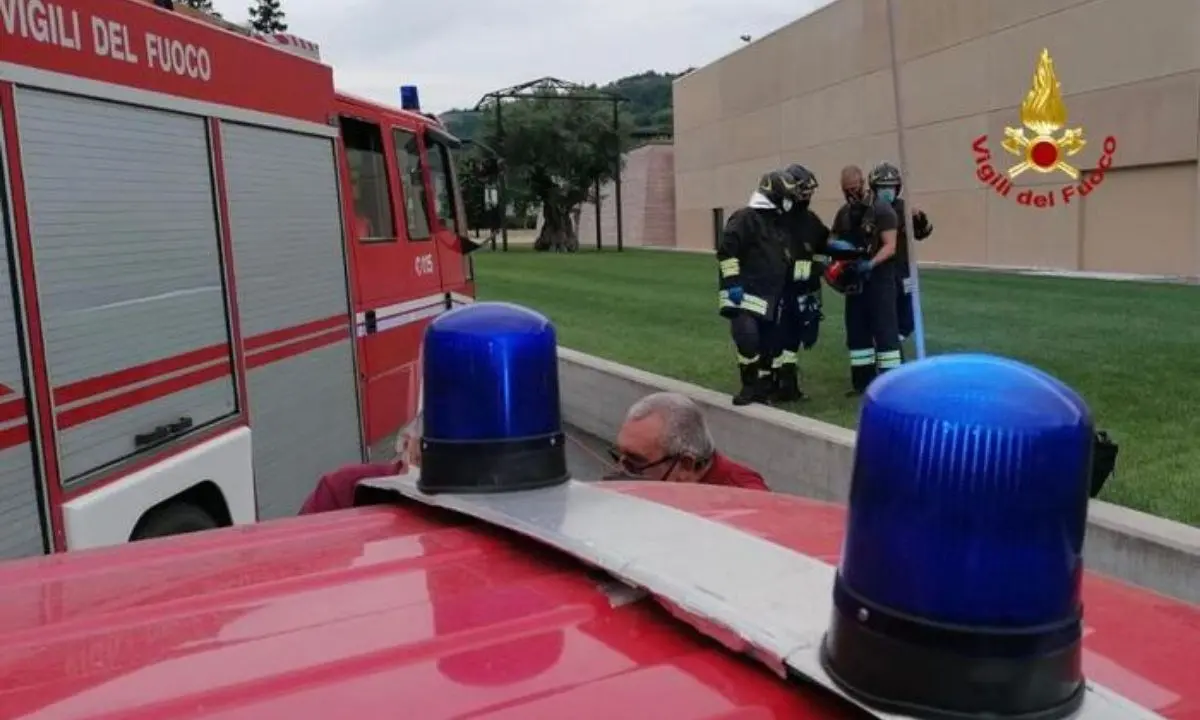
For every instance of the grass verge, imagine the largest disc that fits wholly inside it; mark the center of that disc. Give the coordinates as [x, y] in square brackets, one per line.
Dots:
[1125, 346]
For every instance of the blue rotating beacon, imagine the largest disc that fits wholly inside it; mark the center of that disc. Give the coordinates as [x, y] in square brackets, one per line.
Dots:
[493, 421]
[958, 593]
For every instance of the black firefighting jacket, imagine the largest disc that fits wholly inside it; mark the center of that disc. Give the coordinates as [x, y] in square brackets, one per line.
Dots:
[807, 238]
[754, 254]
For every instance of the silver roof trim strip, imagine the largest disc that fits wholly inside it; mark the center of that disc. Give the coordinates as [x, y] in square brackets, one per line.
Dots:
[710, 575]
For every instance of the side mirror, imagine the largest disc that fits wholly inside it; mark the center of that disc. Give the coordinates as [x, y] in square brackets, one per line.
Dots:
[1104, 461]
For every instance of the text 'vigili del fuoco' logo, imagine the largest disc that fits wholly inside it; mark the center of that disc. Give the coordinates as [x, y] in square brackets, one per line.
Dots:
[1041, 146]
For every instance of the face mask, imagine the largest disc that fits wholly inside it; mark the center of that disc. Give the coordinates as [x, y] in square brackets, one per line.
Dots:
[888, 195]
[853, 196]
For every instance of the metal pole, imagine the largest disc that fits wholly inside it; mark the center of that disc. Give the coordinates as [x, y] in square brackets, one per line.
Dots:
[494, 219]
[616, 107]
[599, 245]
[502, 204]
[918, 316]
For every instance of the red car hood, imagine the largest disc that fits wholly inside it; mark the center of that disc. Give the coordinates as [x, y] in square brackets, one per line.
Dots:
[380, 611]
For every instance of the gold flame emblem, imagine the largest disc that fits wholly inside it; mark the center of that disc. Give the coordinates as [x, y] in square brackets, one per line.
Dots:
[1043, 114]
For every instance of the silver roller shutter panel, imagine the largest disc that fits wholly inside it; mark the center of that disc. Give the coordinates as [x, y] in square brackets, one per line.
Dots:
[21, 530]
[285, 223]
[128, 264]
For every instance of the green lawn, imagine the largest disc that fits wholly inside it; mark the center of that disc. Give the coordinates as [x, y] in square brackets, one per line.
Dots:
[1124, 346]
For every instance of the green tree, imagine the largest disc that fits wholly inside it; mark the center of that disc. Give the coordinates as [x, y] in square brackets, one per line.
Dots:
[648, 95]
[462, 123]
[649, 99]
[555, 152]
[267, 16]
[472, 170]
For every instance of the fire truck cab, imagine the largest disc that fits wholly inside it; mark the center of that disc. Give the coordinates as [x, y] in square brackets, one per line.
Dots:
[216, 271]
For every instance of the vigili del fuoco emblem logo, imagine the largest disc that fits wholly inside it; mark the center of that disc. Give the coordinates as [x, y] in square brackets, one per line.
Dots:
[1044, 144]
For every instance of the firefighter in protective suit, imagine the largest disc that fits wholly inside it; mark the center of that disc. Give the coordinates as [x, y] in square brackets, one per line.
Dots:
[799, 314]
[866, 228]
[885, 183]
[754, 263]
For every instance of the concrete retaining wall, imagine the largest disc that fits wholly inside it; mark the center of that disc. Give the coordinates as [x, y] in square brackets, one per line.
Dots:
[806, 457]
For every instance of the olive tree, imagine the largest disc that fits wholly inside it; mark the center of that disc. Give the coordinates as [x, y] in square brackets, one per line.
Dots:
[558, 144]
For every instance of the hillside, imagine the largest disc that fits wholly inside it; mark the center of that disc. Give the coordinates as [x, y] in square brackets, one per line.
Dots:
[649, 106]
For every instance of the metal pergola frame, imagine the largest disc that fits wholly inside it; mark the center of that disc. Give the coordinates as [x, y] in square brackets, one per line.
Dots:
[546, 88]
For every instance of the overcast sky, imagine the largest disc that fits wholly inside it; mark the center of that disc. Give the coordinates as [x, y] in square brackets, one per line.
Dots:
[457, 50]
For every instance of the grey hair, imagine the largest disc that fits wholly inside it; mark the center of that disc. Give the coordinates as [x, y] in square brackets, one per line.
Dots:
[684, 430]
[414, 428]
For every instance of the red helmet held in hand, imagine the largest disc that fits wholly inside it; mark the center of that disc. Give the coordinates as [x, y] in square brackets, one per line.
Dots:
[843, 277]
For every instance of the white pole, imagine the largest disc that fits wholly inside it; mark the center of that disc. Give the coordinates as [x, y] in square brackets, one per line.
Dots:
[918, 316]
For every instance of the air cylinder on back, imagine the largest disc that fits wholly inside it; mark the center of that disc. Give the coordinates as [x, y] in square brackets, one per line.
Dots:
[492, 416]
[958, 593]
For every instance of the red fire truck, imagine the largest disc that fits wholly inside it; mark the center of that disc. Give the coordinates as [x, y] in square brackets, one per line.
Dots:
[487, 584]
[217, 272]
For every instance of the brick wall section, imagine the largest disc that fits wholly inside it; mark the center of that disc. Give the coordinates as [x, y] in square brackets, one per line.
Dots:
[647, 197]
[658, 227]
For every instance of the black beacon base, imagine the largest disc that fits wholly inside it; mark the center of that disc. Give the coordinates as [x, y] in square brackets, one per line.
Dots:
[905, 666]
[493, 466]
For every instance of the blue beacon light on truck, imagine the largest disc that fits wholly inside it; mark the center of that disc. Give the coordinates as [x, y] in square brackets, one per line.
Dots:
[410, 99]
[958, 593]
[493, 420]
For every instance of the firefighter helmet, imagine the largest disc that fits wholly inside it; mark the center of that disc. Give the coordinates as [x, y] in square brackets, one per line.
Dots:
[805, 180]
[778, 187]
[885, 175]
[844, 277]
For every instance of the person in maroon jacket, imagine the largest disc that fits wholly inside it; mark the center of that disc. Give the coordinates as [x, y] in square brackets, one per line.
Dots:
[665, 437]
[335, 491]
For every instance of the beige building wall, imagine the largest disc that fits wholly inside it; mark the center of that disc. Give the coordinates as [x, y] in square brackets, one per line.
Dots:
[820, 92]
[647, 201]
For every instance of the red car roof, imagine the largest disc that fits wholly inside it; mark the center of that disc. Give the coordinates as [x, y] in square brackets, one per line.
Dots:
[371, 612]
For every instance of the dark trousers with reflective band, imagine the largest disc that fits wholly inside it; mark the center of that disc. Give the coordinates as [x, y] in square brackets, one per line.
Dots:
[872, 335]
[798, 324]
[787, 329]
[795, 324]
[755, 337]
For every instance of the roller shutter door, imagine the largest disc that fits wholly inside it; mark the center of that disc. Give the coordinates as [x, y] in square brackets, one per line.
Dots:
[128, 263]
[285, 223]
[21, 530]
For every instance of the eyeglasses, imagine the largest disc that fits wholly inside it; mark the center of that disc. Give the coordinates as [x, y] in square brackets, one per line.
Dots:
[635, 465]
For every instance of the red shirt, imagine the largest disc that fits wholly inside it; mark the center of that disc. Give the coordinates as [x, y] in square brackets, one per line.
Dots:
[726, 472]
[335, 491]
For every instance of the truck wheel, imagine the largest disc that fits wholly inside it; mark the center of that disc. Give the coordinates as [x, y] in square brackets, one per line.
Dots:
[175, 519]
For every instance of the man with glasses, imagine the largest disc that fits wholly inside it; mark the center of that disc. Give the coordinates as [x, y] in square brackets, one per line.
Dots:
[665, 438]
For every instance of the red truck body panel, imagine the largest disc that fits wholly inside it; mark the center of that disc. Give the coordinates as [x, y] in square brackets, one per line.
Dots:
[377, 612]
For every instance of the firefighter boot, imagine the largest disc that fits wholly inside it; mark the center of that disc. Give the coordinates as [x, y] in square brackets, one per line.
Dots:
[862, 370]
[749, 374]
[787, 384]
[756, 386]
[765, 387]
